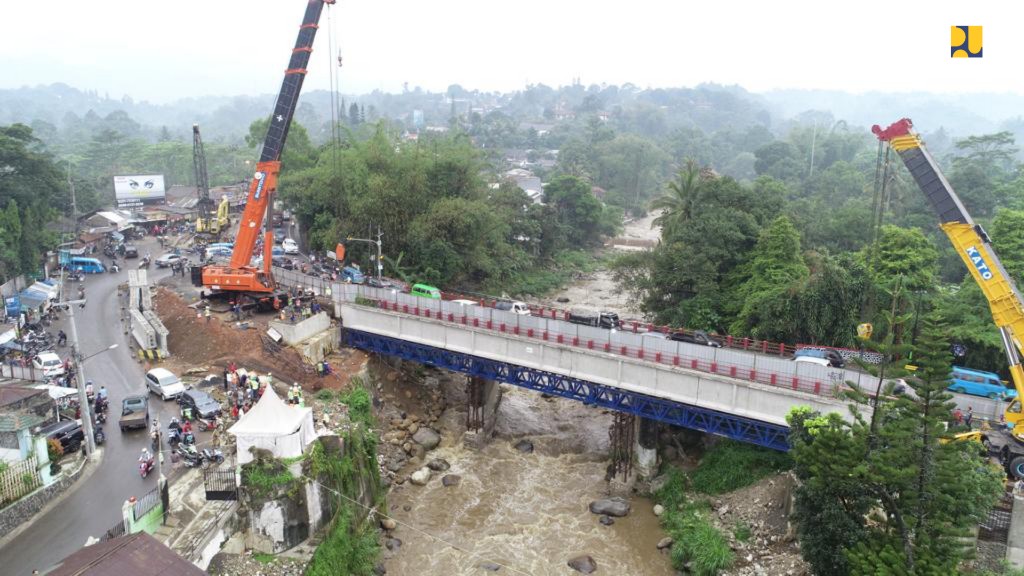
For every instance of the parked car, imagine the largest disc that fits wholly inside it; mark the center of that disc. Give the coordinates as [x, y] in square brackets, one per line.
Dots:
[201, 403]
[277, 251]
[821, 357]
[513, 306]
[979, 383]
[290, 246]
[167, 260]
[68, 432]
[49, 363]
[134, 413]
[353, 275]
[655, 335]
[131, 251]
[164, 383]
[464, 302]
[282, 262]
[217, 252]
[594, 318]
[695, 337]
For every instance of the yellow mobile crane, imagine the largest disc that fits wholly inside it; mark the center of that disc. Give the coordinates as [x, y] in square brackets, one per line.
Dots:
[974, 247]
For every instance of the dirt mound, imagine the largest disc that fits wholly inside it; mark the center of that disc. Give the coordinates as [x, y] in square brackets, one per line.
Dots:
[195, 342]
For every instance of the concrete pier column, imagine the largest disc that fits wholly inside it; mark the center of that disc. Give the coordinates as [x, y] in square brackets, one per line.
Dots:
[645, 449]
[483, 398]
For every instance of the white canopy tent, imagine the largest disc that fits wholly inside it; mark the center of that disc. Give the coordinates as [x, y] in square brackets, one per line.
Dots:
[272, 425]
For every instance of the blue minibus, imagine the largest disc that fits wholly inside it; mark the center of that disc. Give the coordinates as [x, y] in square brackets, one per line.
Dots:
[86, 265]
[978, 383]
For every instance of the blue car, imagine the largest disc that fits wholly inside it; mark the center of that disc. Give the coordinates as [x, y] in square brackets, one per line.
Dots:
[979, 383]
[352, 275]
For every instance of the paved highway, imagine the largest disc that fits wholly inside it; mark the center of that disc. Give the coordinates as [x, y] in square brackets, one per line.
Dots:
[94, 505]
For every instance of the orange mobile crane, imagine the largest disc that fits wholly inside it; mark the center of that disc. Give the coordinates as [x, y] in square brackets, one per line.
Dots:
[239, 280]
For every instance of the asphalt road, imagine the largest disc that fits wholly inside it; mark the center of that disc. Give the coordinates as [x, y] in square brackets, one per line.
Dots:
[95, 503]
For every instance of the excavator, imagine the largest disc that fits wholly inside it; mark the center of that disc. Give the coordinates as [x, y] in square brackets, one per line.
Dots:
[239, 280]
[973, 245]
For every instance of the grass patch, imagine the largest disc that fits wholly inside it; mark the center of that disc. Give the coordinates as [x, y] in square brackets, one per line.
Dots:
[741, 531]
[360, 405]
[695, 540]
[346, 550]
[731, 465]
[263, 558]
[325, 395]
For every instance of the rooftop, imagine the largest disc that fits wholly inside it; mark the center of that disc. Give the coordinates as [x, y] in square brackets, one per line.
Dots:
[126, 556]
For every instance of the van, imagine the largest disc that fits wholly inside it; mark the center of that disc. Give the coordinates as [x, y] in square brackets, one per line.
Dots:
[425, 291]
[696, 337]
[514, 307]
[591, 318]
[978, 383]
[164, 383]
[86, 265]
[464, 302]
[353, 275]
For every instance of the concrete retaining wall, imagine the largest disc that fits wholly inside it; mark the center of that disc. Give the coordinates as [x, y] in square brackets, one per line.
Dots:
[300, 331]
[26, 508]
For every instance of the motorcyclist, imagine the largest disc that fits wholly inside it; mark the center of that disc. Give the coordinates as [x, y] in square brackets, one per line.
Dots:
[88, 388]
[146, 456]
[103, 392]
[62, 338]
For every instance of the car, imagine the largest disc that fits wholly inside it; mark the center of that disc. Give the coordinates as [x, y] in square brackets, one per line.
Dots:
[68, 432]
[277, 251]
[822, 357]
[464, 302]
[167, 260]
[513, 306]
[201, 403]
[134, 413]
[164, 383]
[695, 337]
[978, 383]
[217, 252]
[131, 251]
[425, 291]
[290, 246]
[49, 363]
[654, 335]
[279, 235]
[282, 262]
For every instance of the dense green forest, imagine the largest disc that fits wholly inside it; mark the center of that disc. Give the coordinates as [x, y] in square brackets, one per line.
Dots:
[773, 226]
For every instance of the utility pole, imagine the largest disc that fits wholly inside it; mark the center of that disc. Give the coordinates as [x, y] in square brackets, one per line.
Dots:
[76, 351]
[378, 243]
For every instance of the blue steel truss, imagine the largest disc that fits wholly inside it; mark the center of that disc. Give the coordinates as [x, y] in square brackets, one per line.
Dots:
[720, 423]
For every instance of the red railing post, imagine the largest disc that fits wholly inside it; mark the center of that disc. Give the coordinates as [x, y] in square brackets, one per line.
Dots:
[753, 375]
[476, 322]
[774, 379]
[405, 308]
[490, 324]
[607, 346]
[714, 367]
[502, 326]
[746, 342]
[728, 341]
[657, 357]
[559, 338]
[529, 332]
[732, 371]
[693, 364]
[622, 350]
[635, 326]
[675, 360]
[545, 335]
[817, 387]
[796, 383]
[639, 353]
[764, 346]
[782, 349]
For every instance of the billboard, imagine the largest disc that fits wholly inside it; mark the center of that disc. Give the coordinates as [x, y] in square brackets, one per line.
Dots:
[135, 189]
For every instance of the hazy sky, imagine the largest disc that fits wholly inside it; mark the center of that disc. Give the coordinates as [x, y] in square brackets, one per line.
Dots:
[164, 50]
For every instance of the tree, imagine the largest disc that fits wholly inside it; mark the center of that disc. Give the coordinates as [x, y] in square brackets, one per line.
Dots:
[677, 203]
[578, 213]
[929, 491]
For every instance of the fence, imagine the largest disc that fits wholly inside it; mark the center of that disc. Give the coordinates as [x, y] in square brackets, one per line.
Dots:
[19, 479]
[146, 503]
[8, 370]
[220, 484]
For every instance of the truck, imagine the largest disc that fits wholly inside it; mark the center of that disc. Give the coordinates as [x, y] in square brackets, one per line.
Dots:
[974, 246]
[134, 413]
[594, 318]
[513, 306]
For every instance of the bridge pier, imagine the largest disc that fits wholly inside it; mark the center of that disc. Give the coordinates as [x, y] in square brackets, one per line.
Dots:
[646, 448]
[482, 398]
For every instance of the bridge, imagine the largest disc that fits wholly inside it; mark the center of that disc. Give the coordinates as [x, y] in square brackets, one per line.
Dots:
[740, 394]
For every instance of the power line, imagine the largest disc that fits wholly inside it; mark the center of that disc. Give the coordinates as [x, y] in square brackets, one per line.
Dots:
[373, 510]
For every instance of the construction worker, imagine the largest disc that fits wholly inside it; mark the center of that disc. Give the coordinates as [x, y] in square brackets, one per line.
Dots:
[207, 314]
[291, 395]
[270, 379]
[254, 386]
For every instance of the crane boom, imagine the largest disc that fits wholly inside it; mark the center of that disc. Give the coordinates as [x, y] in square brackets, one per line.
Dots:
[203, 205]
[973, 245]
[239, 275]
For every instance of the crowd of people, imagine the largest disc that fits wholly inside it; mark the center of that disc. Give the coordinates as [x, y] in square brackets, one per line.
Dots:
[245, 387]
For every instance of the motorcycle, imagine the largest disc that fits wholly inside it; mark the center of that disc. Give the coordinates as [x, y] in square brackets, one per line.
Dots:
[98, 435]
[190, 456]
[144, 263]
[212, 456]
[174, 432]
[146, 466]
[101, 404]
[101, 417]
[207, 424]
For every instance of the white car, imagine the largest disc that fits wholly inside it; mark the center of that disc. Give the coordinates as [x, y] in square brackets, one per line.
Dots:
[290, 246]
[164, 383]
[49, 363]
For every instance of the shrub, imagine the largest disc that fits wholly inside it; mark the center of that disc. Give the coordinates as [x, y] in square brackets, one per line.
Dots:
[325, 395]
[54, 450]
[695, 540]
[731, 465]
[360, 405]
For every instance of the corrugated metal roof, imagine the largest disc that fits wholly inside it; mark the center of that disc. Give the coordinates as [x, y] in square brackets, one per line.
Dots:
[12, 394]
[131, 555]
[20, 420]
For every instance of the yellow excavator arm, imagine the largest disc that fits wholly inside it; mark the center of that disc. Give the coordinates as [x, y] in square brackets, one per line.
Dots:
[973, 245]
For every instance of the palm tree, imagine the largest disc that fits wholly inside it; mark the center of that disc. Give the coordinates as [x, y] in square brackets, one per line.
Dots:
[678, 201]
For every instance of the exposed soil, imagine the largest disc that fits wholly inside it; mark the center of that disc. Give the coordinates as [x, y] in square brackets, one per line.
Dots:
[210, 345]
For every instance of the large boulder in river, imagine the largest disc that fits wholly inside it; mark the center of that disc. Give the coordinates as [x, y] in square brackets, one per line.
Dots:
[438, 465]
[451, 480]
[583, 563]
[427, 438]
[420, 477]
[524, 446]
[611, 506]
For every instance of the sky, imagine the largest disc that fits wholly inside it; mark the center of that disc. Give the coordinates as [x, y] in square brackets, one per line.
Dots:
[161, 51]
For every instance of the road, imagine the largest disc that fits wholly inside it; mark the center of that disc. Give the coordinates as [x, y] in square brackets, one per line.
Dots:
[95, 503]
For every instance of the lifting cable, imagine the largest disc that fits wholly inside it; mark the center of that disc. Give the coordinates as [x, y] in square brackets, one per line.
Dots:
[878, 203]
[335, 136]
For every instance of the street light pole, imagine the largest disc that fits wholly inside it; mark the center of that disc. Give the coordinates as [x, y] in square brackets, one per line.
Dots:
[377, 242]
[83, 400]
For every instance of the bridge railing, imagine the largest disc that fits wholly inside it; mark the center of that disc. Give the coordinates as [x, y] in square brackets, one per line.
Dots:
[771, 370]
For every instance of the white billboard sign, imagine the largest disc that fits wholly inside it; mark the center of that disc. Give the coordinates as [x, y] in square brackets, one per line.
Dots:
[145, 187]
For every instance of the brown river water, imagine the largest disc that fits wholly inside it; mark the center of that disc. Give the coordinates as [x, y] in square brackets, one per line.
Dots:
[525, 511]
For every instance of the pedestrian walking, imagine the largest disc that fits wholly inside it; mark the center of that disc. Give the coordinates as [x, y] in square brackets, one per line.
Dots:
[970, 416]
[225, 379]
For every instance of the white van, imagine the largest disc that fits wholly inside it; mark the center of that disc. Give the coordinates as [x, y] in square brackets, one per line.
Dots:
[49, 363]
[164, 383]
[464, 302]
[515, 307]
